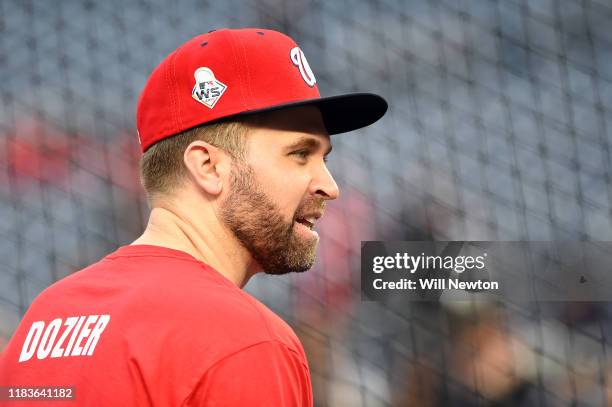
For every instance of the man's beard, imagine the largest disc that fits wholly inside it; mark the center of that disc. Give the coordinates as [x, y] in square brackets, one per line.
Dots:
[260, 227]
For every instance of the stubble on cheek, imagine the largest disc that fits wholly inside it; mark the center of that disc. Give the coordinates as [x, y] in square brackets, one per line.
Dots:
[258, 224]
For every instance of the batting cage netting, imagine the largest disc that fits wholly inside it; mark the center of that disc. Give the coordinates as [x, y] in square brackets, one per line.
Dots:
[499, 128]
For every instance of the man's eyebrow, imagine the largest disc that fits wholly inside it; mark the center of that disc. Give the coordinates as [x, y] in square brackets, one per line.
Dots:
[308, 142]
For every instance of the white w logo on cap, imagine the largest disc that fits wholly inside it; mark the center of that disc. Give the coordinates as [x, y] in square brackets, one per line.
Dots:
[299, 59]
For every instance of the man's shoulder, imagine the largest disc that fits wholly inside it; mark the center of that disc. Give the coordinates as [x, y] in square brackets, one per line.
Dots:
[175, 313]
[188, 298]
[234, 313]
[277, 328]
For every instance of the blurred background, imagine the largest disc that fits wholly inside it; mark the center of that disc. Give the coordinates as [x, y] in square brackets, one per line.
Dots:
[499, 128]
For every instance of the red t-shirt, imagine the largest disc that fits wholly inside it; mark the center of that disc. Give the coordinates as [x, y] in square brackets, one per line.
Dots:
[149, 325]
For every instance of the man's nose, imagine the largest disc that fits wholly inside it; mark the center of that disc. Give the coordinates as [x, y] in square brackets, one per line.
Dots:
[324, 184]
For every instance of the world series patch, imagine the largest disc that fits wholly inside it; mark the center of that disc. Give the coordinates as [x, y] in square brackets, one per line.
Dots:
[207, 89]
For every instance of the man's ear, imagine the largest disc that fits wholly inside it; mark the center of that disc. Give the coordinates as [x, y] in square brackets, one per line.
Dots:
[206, 165]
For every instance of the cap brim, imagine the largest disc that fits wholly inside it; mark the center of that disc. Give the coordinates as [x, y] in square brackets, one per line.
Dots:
[340, 113]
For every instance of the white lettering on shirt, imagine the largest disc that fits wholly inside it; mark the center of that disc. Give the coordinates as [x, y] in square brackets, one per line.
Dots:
[44, 339]
[58, 351]
[31, 341]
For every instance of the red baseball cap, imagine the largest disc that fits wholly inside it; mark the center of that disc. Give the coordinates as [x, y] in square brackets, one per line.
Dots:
[234, 72]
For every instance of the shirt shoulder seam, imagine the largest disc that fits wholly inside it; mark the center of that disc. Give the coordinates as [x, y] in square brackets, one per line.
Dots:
[118, 256]
[196, 262]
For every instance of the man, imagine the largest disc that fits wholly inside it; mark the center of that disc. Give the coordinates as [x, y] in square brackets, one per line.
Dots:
[235, 136]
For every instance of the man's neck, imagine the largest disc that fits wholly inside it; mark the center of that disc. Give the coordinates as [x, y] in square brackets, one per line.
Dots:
[206, 241]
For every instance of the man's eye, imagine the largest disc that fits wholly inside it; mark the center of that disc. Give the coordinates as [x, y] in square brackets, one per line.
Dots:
[301, 153]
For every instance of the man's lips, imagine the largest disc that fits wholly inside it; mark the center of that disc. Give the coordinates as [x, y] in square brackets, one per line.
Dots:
[309, 219]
